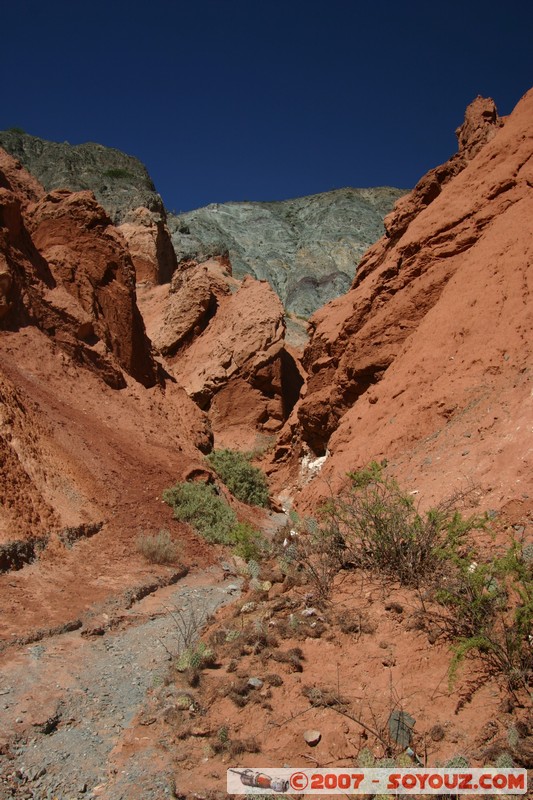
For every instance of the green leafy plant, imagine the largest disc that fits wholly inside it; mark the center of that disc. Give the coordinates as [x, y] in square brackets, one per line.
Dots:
[200, 505]
[246, 482]
[158, 549]
[491, 617]
[249, 544]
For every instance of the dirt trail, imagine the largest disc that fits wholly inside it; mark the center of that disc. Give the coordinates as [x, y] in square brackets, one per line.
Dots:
[69, 703]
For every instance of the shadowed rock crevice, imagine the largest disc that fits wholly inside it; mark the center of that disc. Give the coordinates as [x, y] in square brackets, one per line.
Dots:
[291, 383]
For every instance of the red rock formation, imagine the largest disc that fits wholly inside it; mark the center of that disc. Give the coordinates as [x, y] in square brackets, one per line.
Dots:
[149, 244]
[425, 360]
[74, 451]
[224, 340]
[64, 267]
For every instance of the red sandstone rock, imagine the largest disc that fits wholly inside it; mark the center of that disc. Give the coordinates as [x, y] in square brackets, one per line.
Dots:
[149, 244]
[64, 267]
[425, 360]
[74, 451]
[224, 340]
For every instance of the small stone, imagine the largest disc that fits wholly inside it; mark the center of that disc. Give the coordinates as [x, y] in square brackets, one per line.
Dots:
[255, 683]
[396, 607]
[309, 612]
[312, 737]
[201, 731]
[437, 733]
[232, 587]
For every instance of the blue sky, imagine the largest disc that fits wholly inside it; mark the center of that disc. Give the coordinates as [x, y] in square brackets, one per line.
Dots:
[234, 100]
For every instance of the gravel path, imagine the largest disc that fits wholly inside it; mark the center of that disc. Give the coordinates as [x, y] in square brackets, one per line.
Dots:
[67, 702]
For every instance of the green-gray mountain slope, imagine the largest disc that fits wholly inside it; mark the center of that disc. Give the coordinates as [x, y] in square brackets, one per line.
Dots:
[307, 249]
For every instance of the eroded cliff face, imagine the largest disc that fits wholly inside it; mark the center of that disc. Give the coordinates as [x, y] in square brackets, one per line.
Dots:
[71, 335]
[426, 360]
[68, 270]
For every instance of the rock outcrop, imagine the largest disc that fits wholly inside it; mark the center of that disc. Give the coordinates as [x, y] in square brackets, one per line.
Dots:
[121, 185]
[224, 341]
[424, 361]
[65, 268]
[119, 182]
[307, 249]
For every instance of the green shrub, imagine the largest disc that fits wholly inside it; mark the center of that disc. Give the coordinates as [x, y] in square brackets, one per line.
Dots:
[249, 543]
[158, 549]
[491, 614]
[381, 529]
[246, 482]
[200, 505]
[16, 130]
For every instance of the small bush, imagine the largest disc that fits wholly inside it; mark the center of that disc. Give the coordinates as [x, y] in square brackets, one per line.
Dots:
[249, 544]
[491, 607]
[17, 130]
[200, 505]
[312, 552]
[381, 529]
[246, 482]
[158, 549]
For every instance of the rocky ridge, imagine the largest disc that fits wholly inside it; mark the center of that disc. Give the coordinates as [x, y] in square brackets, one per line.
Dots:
[119, 182]
[121, 185]
[307, 248]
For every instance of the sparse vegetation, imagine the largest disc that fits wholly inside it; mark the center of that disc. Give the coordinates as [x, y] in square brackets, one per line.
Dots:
[201, 506]
[118, 173]
[380, 528]
[491, 614]
[486, 609]
[16, 130]
[314, 551]
[246, 482]
[158, 549]
[249, 544]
